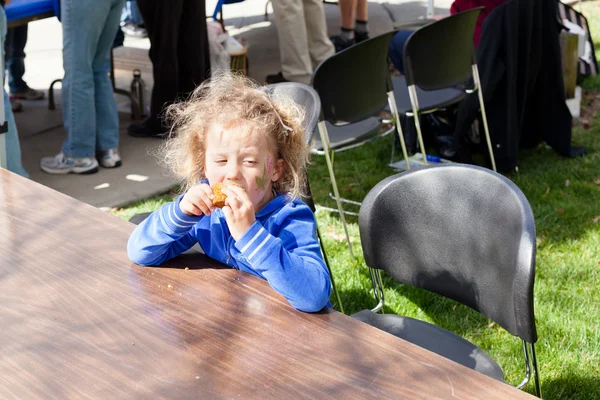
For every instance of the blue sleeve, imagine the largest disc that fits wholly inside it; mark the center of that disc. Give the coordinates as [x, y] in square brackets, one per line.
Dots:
[165, 234]
[290, 258]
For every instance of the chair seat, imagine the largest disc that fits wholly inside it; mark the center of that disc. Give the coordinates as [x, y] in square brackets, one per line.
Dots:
[428, 99]
[435, 339]
[345, 136]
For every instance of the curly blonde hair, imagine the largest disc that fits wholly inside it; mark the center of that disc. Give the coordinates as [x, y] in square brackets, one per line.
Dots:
[231, 100]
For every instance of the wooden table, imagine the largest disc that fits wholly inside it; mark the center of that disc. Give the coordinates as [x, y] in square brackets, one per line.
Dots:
[78, 320]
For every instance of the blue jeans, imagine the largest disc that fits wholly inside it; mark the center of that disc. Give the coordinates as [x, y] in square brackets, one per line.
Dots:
[89, 107]
[16, 39]
[131, 13]
[396, 51]
[13, 149]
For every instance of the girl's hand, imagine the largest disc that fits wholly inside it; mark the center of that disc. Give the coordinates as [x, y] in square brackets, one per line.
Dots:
[238, 210]
[197, 201]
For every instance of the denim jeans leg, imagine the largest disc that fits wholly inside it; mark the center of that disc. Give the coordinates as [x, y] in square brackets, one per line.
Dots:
[13, 148]
[107, 118]
[83, 23]
[16, 39]
[131, 13]
[135, 15]
[396, 50]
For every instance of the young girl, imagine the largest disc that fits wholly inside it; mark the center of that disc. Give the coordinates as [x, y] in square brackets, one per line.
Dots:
[231, 132]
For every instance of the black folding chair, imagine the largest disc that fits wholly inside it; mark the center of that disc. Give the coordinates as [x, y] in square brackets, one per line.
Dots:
[463, 232]
[354, 86]
[308, 98]
[440, 69]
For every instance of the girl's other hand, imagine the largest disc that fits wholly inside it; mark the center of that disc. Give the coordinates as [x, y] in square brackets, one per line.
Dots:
[238, 210]
[197, 201]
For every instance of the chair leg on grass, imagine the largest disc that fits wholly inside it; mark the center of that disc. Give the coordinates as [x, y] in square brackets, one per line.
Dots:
[325, 143]
[414, 101]
[527, 367]
[377, 284]
[394, 109]
[536, 372]
[337, 294]
[483, 115]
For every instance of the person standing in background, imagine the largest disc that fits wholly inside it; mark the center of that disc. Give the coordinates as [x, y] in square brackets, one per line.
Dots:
[89, 107]
[179, 53]
[16, 39]
[13, 149]
[303, 41]
[355, 16]
[132, 23]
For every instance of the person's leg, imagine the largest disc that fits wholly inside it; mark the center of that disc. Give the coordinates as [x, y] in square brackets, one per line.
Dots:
[396, 50]
[361, 28]
[131, 20]
[319, 45]
[107, 119]
[162, 21]
[135, 15]
[293, 40]
[13, 148]
[126, 13]
[83, 23]
[16, 38]
[347, 14]
[15, 65]
[193, 52]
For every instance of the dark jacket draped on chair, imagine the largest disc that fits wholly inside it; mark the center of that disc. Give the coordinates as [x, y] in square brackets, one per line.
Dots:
[521, 77]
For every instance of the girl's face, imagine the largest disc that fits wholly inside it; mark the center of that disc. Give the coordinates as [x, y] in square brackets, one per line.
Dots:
[241, 155]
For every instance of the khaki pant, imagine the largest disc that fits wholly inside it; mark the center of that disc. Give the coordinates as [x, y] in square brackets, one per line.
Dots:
[303, 41]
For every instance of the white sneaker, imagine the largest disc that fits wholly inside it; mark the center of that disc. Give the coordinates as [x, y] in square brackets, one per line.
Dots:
[109, 158]
[60, 164]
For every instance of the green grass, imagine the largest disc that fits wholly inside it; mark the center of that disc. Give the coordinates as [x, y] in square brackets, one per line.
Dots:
[565, 197]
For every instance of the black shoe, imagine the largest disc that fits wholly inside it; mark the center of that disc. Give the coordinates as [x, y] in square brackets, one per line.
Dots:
[360, 36]
[275, 78]
[135, 30]
[145, 129]
[341, 43]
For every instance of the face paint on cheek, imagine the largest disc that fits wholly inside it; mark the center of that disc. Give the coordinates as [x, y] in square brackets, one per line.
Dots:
[262, 181]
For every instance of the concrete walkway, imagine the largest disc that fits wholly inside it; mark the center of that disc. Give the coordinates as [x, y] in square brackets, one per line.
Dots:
[141, 176]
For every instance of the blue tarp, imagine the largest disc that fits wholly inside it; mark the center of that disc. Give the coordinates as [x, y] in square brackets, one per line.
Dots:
[18, 9]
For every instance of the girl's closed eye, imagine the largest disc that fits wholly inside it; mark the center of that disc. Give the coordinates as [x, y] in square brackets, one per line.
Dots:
[250, 161]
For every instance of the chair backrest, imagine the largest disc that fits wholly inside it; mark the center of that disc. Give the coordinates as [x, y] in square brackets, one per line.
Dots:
[464, 232]
[353, 84]
[441, 54]
[308, 98]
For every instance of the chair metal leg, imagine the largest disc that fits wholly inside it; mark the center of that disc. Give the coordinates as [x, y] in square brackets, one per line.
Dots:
[337, 294]
[377, 284]
[483, 114]
[414, 101]
[325, 143]
[528, 364]
[536, 372]
[394, 109]
[51, 103]
[527, 367]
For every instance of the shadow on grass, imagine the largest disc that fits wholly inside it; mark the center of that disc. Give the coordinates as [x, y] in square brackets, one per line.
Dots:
[443, 312]
[570, 387]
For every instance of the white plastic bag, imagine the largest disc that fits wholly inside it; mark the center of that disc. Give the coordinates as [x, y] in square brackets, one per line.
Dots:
[219, 56]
